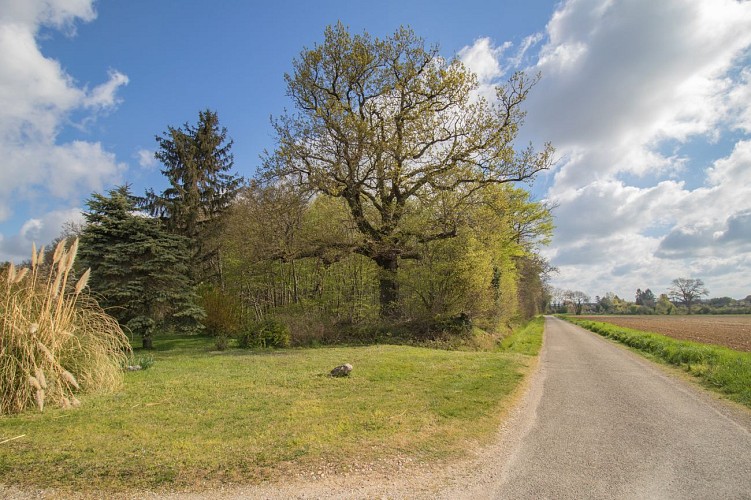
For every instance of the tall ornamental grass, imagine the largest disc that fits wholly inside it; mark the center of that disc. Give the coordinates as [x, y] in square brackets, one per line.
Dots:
[55, 340]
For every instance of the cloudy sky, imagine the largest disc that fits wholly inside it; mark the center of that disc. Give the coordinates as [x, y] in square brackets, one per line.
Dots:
[647, 102]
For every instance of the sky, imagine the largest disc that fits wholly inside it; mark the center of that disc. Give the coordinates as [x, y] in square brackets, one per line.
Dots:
[648, 104]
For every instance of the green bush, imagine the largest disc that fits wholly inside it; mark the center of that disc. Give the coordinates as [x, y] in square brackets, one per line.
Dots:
[222, 343]
[267, 333]
[223, 311]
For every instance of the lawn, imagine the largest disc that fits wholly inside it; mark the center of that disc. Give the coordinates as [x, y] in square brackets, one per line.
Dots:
[199, 417]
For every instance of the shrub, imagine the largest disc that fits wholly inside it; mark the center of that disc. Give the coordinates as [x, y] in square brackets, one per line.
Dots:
[267, 333]
[222, 343]
[55, 340]
[223, 311]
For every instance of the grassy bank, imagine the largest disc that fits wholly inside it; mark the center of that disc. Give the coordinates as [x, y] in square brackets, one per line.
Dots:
[719, 368]
[527, 339]
[198, 417]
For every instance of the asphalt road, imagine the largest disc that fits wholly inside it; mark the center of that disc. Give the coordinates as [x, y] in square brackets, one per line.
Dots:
[608, 424]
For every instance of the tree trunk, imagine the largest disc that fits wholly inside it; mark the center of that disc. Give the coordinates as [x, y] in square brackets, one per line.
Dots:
[389, 287]
[148, 342]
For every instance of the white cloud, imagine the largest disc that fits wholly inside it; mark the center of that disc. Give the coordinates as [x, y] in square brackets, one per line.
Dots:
[40, 231]
[37, 98]
[630, 91]
[146, 158]
[483, 59]
[739, 97]
[60, 14]
[104, 96]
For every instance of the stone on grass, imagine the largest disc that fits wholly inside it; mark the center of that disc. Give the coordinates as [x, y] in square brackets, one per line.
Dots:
[341, 370]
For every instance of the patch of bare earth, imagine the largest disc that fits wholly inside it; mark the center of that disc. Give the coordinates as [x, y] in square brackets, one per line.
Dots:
[729, 331]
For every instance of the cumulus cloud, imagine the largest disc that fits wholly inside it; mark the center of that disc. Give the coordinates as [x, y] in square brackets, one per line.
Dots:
[630, 90]
[146, 158]
[37, 98]
[484, 59]
[39, 230]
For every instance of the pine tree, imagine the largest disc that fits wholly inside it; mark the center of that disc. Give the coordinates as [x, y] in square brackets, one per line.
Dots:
[139, 270]
[197, 162]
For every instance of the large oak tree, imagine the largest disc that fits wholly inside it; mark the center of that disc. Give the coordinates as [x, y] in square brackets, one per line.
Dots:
[687, 291]
[393, 128]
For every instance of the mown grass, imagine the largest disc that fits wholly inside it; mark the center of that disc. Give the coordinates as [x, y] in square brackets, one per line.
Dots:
[197, 418]
[719, 368]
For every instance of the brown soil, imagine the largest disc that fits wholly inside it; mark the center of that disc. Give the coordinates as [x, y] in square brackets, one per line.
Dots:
[728, 331]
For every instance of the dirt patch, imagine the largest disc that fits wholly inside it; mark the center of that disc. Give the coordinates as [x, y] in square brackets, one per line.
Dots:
[729, 331]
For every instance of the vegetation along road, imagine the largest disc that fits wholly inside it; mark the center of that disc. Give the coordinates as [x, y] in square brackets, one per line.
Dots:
[609, 424]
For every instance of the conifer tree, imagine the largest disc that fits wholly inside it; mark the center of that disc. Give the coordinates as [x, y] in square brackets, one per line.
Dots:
[197, 162]
[139, 270]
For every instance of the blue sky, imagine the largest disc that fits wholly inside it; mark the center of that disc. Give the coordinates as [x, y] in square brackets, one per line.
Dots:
[647, 103]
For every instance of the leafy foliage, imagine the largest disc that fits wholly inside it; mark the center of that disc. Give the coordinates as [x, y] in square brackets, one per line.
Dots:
[267, 333]
[396, 132]
[687, 291]
[223, 311]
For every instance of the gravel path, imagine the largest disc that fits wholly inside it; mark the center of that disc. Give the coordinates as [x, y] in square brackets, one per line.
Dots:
[593, 421]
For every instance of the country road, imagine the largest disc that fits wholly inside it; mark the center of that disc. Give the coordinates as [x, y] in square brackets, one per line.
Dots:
[609, 424]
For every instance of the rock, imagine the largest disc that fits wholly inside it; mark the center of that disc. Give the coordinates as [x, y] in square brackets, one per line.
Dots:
[341, 370]
[134, 368]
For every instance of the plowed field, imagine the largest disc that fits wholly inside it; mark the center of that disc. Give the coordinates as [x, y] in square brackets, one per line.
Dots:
[728, 331]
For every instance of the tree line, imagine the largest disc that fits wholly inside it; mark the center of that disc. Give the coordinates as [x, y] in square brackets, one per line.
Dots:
[391, 198]
[685, 296]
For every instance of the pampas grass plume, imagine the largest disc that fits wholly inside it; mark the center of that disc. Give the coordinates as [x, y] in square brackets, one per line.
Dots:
[40, 377]
[71, 379]
[83, 281]
[39, 396]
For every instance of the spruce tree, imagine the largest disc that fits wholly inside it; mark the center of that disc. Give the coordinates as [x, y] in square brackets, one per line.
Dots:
[197, 163]
[138, 269]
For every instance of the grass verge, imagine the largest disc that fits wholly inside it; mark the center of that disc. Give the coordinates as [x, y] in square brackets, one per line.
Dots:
[198, 418]
[724, 370]
[526, 339]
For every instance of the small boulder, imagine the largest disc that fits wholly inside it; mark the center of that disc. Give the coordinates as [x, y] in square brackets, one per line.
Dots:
[341, 370]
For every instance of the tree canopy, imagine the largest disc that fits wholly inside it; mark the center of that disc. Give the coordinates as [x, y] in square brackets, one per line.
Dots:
[398, 133]
[197, 163]
[687, 291]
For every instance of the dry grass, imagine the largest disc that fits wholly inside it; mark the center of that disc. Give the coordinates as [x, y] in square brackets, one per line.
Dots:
[55, 340]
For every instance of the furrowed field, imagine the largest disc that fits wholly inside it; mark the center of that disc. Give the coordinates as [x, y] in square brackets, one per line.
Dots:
[729, 331]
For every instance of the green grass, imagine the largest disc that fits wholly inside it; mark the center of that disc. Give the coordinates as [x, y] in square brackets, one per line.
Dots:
[526, 339]
[197, 418]
[724, 370]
